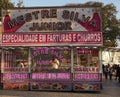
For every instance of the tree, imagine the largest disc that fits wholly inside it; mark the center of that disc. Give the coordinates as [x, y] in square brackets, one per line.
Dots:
[5, 4]
[110, 24]
[20, 3]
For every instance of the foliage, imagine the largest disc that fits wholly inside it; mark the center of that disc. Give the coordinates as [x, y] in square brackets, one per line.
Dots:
[20, 3]
[5, 4]
[110, 26]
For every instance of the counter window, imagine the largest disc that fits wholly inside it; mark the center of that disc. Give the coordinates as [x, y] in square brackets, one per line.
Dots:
[86, 60]
[16, 59]
[50, 59]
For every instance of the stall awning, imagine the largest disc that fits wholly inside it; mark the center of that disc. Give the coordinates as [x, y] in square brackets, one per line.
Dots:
[111, 49]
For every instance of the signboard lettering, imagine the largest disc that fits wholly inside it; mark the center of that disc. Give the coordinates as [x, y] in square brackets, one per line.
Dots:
[52, 39]
[52, 19]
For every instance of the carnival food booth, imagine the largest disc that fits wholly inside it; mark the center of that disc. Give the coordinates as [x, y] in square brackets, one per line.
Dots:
[52, 48]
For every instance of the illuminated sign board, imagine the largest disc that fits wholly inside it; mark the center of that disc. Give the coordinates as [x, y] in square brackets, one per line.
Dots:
[64, 76]
[86, 76]
[46, 39]
[52, 19]
[14, 76]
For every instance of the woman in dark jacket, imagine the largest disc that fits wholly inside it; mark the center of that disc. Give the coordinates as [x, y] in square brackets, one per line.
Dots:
[119, 73]
[106, 72]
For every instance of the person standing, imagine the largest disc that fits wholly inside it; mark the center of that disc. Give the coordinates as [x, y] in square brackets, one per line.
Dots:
[106, 72]
[110, 73]
[103, 69]
[119, 73]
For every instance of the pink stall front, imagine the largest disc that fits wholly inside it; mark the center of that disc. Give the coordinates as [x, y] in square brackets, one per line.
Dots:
[52, 48]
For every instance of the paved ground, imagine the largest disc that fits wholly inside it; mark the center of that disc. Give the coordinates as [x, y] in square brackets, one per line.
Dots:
[110, 89]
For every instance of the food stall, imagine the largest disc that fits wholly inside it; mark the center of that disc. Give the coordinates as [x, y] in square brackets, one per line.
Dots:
[52, 48]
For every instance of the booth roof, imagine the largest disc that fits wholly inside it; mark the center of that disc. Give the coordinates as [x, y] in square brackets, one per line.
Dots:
[112, 49]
